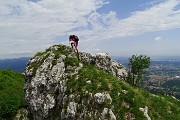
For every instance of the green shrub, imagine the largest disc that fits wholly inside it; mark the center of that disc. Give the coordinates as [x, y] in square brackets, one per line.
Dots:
[54, 62]
[11, 93]
[71, 62]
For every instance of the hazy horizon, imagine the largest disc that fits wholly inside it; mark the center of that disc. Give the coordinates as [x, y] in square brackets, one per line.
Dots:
[152, 57]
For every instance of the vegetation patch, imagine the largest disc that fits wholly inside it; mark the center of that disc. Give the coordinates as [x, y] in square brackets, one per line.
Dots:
[11, 93]
[54, 62]
[71, 62]
[122, 94]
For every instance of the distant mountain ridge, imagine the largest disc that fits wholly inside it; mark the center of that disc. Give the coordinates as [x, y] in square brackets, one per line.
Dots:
[16, 64]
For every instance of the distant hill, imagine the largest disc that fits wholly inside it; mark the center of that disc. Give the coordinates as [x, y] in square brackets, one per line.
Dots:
[16, 64]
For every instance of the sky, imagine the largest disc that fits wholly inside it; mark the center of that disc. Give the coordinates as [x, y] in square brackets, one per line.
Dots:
[117, 27]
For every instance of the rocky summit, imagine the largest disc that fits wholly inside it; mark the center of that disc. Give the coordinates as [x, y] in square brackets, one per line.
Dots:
[47, 75]
[64, 85]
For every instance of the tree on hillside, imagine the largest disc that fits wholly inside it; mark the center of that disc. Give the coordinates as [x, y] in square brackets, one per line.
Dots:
[137, 65]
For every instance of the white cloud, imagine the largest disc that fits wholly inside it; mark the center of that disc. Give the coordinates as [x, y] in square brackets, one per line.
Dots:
[162, 16]
[158, 38]
[32, 26]
[159, 17]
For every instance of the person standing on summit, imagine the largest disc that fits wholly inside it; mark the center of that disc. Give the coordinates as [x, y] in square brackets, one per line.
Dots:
[73, 39]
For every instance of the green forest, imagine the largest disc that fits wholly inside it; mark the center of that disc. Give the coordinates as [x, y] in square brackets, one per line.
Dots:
[11, 93]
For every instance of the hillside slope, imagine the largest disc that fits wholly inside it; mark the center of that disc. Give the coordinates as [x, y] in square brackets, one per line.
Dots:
[61, 87]
[11, 93]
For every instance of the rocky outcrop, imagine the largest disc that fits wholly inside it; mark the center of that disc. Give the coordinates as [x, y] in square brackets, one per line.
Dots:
[103, 61]
[145, 111]
[47, 75]
[21, 114]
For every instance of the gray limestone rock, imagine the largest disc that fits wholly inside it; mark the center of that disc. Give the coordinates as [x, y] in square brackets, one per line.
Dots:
[145, 111]
[45, 88]
[102, 60]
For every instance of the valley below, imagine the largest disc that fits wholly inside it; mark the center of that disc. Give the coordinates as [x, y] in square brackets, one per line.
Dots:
[162, 77]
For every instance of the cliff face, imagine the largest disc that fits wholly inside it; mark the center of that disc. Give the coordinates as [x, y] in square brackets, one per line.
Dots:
[60, 86]
[47, 75]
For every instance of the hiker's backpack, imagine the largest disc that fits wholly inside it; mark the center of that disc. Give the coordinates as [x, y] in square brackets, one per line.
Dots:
[76, 39]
